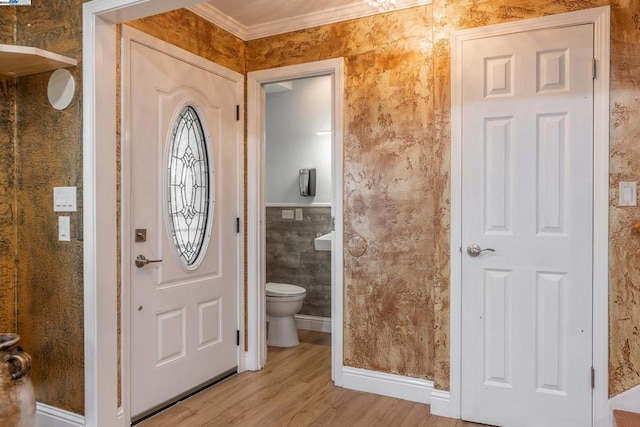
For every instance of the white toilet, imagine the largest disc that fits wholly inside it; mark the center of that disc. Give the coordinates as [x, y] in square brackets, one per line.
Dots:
[283, 302]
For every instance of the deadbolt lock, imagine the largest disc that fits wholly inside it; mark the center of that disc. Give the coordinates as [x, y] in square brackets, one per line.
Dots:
[141, 234]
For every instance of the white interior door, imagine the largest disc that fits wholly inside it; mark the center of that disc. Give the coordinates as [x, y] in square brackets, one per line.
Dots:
[527, 159]
[183, 138]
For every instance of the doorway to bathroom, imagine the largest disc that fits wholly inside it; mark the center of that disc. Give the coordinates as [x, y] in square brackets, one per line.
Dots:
[294, 198]
[298, 195]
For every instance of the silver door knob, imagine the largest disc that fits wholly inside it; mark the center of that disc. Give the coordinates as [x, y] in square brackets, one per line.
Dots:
[141, 261]
[475, 250]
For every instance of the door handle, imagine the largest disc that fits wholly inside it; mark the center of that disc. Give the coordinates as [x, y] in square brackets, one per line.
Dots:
[474, 250]
[141, 261]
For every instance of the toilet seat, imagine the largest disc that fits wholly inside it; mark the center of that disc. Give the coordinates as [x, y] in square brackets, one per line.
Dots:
[284, 290]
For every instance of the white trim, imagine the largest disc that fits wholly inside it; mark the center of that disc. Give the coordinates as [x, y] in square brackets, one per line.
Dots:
[50, 416]
[627, 401]
[601, 414]
[99, 212]
[337, 240]
[299, 22]
[440, 403]
[125, 223]
[256, 246]
[213, 15]
[240, 209]
[99, 199]
[600, 17]
[400, 387]
[256, 210]
[298, 205]
[313, 323]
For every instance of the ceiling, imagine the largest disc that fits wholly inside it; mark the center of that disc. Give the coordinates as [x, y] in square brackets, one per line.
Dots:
[253, 19]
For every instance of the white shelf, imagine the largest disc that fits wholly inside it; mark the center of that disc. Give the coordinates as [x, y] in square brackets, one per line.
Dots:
[18, 61]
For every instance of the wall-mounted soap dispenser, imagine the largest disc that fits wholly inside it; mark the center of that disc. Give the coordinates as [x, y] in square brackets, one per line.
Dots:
[308, 182]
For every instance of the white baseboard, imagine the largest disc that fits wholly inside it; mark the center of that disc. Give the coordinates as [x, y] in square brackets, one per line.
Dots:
[412, 389]
[313, 323]
[440, 403]
[50, 416]
[626, 401]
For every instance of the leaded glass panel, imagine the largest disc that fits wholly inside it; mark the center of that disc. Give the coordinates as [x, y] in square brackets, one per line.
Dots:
[189, 186]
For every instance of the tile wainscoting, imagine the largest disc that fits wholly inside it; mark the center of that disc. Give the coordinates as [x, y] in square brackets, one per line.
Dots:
[292, 258]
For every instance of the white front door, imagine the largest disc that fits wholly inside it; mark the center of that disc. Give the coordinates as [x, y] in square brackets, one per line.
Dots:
[182, 138]
[527, 158]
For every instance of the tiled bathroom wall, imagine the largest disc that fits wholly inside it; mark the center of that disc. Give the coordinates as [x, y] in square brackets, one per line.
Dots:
[292, 258]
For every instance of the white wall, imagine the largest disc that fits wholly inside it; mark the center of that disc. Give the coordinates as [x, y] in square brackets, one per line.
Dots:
[293, 118]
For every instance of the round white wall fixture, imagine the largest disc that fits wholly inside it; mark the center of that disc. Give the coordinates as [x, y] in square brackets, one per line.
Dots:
[61, 88]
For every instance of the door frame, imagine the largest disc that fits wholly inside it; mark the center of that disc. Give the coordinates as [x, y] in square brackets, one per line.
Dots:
[100, 203]
[129, 35]
[256, 274]
[600, 17]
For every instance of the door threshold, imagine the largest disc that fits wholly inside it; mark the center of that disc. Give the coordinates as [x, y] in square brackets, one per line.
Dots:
[183, 396]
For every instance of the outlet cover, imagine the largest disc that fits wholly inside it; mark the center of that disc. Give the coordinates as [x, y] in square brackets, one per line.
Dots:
[287, 214]
[627, 194]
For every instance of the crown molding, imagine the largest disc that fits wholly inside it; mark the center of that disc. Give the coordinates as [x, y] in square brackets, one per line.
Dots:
[213, 15]
[324, 17]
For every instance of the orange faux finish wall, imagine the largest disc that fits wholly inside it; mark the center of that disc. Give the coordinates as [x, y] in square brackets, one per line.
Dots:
[390, 186]
[7, 183]
[397, 192]
[196, 35]
[49, 154]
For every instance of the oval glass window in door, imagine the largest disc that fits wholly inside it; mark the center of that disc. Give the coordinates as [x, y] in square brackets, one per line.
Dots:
[190, 187]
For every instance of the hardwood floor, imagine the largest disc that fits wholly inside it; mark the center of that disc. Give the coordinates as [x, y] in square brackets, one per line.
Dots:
[626, 419]
[295, 389]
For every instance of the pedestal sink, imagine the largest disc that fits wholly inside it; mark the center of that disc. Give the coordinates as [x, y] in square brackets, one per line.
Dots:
[323, 243]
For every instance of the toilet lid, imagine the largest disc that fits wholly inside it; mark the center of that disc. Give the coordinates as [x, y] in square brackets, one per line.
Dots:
[283, 290]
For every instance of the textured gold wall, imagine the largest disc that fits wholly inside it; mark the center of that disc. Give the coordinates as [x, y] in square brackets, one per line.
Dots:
[7, 183]
[388, 180]
[49, 154]
[397, 310]
[196, 35]
[624, 242]
[8, 25]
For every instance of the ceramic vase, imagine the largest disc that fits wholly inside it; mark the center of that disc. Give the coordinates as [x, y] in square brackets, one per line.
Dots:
[17, 399]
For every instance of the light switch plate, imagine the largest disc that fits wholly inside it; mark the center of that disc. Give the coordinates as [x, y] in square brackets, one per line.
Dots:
[627, 194]
[64, 228]
[64, 199]
[298, 214]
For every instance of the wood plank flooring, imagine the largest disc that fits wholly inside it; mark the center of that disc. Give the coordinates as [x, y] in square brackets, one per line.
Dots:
[295, 389]
[626, 419]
